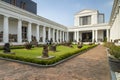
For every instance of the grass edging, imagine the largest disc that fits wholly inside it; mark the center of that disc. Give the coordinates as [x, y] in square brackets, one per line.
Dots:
[50, 65]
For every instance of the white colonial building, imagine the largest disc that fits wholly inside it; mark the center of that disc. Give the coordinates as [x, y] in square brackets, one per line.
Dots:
[115, 22]
[89, 26]
[18, 26]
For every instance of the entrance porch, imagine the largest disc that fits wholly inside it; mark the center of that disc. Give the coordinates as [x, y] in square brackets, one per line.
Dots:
[89, 36]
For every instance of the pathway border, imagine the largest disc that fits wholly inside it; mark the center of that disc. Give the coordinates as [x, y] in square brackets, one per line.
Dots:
[113, 75]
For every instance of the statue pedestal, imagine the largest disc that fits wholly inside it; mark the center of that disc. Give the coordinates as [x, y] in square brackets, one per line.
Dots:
[41, 57]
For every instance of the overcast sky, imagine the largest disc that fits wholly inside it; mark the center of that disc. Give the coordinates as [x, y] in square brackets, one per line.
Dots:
[62, 11]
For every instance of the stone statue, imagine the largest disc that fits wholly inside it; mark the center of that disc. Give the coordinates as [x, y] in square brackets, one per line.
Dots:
[6, 48]
[45, 51]
[80, 44]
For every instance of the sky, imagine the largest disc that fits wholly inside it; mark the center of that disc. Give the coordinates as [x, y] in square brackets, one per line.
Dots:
[63, 11]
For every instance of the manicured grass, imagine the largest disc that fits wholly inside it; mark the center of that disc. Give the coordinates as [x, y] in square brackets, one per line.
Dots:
[34, 52]
[31, 55]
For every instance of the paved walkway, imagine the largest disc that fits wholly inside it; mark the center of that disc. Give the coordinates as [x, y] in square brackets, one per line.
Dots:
[91, 65]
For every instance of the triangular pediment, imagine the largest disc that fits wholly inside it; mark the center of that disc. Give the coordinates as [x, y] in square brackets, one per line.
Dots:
[86, 11]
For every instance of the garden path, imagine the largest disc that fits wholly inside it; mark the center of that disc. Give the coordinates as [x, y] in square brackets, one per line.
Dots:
[92, 65]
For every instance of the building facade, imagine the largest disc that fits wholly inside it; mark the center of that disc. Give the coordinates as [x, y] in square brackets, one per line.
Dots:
[18, 26]
[28, 5]
[115, 22]
[89, 26]
[21, 25]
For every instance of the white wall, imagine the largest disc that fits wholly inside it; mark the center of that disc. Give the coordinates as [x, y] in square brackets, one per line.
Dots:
[100, 18]
[94, 18]
[93, 13]
[76, 21]
[13, 27]
[115, 29]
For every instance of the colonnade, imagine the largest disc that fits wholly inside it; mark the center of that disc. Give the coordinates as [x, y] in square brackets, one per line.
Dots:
[57, 35]
[78, 35]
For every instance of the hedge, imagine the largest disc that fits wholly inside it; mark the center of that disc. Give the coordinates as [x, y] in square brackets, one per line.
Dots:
[45, 62]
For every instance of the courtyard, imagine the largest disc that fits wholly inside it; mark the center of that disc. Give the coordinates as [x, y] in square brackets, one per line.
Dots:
[92, 65]
[40, 55]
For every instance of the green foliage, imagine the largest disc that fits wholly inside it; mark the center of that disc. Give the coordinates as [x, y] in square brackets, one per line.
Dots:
[115, 51]
[30, 55]
[108, 44]
[13, 47]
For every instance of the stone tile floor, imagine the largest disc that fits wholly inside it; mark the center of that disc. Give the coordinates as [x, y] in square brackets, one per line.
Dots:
[92, 65]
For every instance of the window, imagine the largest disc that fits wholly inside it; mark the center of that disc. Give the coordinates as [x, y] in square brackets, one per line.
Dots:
[86, 20]
[13, 2]
[22, 5]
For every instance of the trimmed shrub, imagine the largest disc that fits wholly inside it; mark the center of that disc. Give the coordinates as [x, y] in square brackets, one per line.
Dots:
[115, 51]
[14, 47]
[28, 45]
[108, 44]
[80, 45]
[46, 62]
[52, 47]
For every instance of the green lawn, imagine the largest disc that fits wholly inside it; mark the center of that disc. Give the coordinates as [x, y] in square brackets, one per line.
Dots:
[31, 55]
[34, 52]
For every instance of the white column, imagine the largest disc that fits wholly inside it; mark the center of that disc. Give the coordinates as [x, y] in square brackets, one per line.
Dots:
[107, 35]
[96, 36]
[60, 37]
[53, 35]
[93, 36]
[80, 36]
[63, 36]
[57, 35]
[44, 34]
[6, 30]
[19, 32]
[77, 36]
[49, 33]
[37, 33]
[29, 32]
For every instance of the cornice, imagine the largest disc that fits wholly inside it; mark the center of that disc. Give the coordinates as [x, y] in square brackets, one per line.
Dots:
[114, 11]
[104, 25]
[89, 11]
